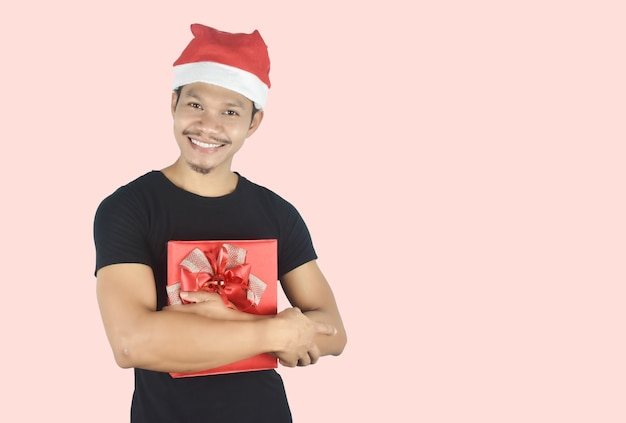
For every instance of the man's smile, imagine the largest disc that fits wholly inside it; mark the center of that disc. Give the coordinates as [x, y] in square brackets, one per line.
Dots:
[205, 144]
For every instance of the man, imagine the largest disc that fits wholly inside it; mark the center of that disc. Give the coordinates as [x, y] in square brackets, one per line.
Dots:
[221, 82]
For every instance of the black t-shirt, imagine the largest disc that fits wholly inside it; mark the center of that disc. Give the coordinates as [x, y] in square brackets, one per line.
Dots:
[134, 224]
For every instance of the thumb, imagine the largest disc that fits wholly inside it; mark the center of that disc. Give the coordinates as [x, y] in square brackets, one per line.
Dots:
[326, 329]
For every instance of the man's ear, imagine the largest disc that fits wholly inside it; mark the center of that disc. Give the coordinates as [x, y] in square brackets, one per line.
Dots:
[174, 101]
[256, 121]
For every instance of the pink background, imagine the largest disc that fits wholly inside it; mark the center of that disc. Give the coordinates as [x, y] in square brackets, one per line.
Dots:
[460, 166]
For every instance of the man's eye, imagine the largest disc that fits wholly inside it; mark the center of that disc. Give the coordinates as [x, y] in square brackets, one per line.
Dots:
[195, 105]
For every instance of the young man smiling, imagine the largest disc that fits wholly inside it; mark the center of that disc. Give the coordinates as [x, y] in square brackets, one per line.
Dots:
[221, 82]
[211, 124]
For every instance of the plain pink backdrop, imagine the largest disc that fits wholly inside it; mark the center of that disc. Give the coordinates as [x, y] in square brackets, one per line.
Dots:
[459, 164]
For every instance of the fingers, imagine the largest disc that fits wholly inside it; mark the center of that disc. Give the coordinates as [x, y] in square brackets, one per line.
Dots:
[196, 296]
[301, 348]
[307, 358]
[304, 361]
[311, 357]
[286, 363]
[199, 296]
[304, 357]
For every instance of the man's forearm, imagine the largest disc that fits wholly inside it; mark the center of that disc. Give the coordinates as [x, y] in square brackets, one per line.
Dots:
[185, 342]
[328, 345]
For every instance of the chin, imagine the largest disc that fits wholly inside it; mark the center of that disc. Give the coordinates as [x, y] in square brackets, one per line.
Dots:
[200, 169]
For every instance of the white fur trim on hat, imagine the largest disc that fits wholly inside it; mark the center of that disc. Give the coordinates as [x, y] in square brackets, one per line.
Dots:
[234, 79]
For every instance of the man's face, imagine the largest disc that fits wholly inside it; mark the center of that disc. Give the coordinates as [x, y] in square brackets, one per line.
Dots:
[210, 125]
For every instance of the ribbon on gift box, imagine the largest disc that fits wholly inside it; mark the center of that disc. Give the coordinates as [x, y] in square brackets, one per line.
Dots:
[222, 269]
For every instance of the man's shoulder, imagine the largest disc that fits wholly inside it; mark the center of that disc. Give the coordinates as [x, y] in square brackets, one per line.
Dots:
[150, 180]
[136, 191]
[263, 193]
[147, 182]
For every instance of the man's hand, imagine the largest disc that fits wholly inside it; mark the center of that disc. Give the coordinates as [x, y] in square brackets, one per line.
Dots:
[296, 328]
[300, 348]
[211, 305]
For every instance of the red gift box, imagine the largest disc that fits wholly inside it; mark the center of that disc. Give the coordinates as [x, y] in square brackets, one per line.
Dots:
[243, 272]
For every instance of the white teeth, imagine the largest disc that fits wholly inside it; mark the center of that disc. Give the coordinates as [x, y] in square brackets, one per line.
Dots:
[204, 144]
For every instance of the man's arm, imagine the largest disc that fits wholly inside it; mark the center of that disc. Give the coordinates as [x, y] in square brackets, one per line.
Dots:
[185, 342]
[307, 289]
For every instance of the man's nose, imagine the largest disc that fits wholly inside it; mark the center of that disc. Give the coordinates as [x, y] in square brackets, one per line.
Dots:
[210, 122]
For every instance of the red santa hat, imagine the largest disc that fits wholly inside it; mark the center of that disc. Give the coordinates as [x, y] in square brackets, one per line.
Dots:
[238, 62]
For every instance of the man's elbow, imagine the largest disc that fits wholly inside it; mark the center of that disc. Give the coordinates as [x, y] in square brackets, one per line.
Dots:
[123, 354]
[127, 350]
[341, 339]
[123, 358]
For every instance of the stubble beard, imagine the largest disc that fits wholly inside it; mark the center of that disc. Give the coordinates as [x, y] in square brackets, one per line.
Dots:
[199, 169]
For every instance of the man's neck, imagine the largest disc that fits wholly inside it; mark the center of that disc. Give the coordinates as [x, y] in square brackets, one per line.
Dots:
[213, 184]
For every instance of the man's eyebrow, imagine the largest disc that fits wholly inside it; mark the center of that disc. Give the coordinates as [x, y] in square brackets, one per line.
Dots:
[191, 93]
[235, 103]
[229, 103]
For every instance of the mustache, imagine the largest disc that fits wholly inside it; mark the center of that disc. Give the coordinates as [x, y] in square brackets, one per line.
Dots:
[201, 136]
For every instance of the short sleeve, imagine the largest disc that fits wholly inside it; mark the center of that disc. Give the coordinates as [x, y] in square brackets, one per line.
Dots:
[295, 246]
[120, 231]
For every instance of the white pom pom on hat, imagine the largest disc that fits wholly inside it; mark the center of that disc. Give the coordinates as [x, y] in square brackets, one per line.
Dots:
[235, 61]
